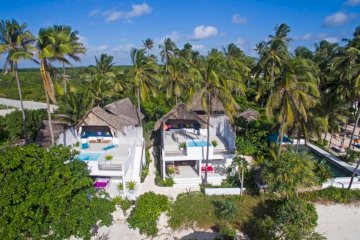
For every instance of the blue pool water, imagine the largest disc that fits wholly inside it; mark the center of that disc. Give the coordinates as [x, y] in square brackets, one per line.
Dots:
[197, 143]
[88, 156]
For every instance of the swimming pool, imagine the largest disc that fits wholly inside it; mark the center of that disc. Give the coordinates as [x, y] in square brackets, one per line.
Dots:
[88, 156]
[197, 143]
[335, 169]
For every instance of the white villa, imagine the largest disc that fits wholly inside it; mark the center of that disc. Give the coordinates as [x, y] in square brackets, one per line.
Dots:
[184, 141]
[110, 140]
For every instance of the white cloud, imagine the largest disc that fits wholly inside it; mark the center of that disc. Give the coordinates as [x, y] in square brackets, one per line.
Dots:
[174, 36]
[352, 3]
[321, 36]
[197, 47]
[332, 39]
[238, 20]
[202, 32]
[101, 48]
[83, 40]
[94, 12]
[125, 48]
[137, 10]
[336, 19]
[240, 42]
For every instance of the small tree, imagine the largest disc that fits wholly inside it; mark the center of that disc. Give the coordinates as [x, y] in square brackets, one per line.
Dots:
[240, 165]
[289, 173]
[48, 194]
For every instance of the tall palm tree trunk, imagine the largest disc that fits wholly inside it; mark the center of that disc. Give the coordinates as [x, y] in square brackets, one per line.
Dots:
[21, 106]
[331, 137]
[356, 124]
[208, 139]
[281, 135]
[49, 118]
[353, 174]
[65, 81]
[138, 102]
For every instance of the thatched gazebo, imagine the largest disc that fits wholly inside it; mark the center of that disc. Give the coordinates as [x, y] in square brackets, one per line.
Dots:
[250, 114]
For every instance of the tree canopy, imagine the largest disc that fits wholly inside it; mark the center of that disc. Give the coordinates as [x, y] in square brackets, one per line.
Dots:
[48, 194]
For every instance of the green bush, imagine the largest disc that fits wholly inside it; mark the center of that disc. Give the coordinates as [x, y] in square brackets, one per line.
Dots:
[14, 125]
[167, 182]
[125, 204]
[147, 210]
[145, 169]
[332, 195]
[227, 232]
[293, 219]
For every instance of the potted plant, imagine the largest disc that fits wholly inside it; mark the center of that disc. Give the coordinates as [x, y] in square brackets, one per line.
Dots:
[131, 186]
[108, 158]
[120, 187]
[182, 146]
[171, 171]
[214, 143]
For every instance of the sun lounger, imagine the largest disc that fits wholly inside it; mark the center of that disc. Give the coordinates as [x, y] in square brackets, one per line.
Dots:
[84, 145]
[339, 149]
[101, 183]
[209, 168]
[109, 147]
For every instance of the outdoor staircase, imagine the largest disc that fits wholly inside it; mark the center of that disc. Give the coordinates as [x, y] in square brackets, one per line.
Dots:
[187, 183]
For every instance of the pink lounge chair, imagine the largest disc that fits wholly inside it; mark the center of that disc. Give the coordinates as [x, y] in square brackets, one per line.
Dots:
[209, 168]
[101, 183]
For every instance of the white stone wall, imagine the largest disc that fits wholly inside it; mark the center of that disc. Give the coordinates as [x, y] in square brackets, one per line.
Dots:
[220, 125]
[68, 138]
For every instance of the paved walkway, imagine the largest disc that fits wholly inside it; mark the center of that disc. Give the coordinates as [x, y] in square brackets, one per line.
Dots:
[31, 105]
[149, 183]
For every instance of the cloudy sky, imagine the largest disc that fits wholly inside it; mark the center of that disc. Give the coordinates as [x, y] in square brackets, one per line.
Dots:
[115, 26]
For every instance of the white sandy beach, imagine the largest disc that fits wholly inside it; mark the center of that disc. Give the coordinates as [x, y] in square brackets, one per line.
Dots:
[339, 222]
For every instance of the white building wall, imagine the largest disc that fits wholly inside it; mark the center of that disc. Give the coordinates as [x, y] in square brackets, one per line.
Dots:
[68, 138]
[220, 125]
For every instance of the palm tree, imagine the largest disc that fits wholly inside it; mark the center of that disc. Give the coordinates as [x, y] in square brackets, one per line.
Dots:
[17, 42]
[53, 44]
[347, 65]
[100, 87]
[212, 83]
[77, 49]
[144, 72]
[168, 51]
[293, 94]
[148, 44]
[104, 64]
[179, 78]
[73, 104]
[273, 54]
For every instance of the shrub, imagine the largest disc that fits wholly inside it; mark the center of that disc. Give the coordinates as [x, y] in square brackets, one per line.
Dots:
[167, 182]
[131, 185]
[145, 169]
[147, 210]
[125, 204]
[225, 209]
[108, 157]
[332, 195]
[290, 173]
[293, 219]
[227, 232]
[182, 145]
[120, 186]
[214, 143]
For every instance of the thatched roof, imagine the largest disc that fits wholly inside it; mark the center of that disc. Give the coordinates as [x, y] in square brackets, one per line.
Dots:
[179, 112]
[250, 114]
[116, 115]
[125, 109]
[43, 137]
[216, 104]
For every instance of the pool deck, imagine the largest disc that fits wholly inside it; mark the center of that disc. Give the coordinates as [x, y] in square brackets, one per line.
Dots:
[333, 158]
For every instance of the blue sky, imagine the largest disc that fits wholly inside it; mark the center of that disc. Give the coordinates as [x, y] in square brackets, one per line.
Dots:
[114, 27]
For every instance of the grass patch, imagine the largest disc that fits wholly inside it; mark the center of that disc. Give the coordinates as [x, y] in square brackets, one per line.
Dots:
[197, 208]
[332, 195]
